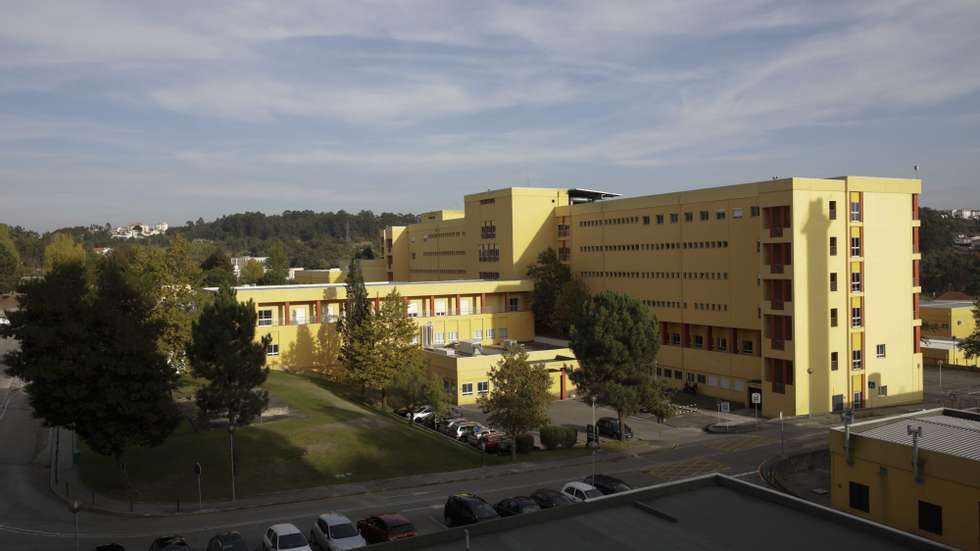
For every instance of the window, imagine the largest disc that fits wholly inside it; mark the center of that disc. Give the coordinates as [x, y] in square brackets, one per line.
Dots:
[502, 333]
[720, 214]
[860, 498]
[668, 373]
[299, 316]
[673, 218]
[678, 374]
[412, 309]
[465, 306]
[467, 389]
[755, 211]
[833, 317]
[930, 517]
[833, 210]
[833, 361]
[272, 350]
[702, 379]
[856, 282]
[855, 317]
[690, 377]
[837, 402]
[855, 211]
[704, 215]
[855, 359]
[483, 387]
[660, 372]
[722, 344]
[746, 347]
[880, 351]
[737, 213]
[855, 246]
[478, 333]
[698, 341]
[513, 304]
[452, 336]
[265, 317]
[833, 246]
[646, 220]
[675, 339]
[440, 338]
[488, 230]
[883, 390]
[833, 281]
[689, 217]
[660, 219]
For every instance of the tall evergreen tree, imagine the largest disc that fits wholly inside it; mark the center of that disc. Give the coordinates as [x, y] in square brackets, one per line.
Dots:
[129, 379]
[616, 341]
[388, 344]
[10, 264]
[549, 275]
[518, 398]
[52, 327]
[354, 326]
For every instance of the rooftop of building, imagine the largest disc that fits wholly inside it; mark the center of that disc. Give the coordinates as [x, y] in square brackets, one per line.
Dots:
[947, 304]
[952, 432]
[539, 344]
[374, 284]
[707, 512]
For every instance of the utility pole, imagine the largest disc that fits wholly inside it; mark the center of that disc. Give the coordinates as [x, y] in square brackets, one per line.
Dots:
[74, 507]
[595, 440]
[200, 495]
[940, 362]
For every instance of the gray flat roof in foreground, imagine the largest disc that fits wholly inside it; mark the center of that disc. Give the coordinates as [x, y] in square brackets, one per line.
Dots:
[709, 512]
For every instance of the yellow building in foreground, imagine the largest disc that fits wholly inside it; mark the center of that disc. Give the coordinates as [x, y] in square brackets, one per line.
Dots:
[945, 323]
[803, 291]
[919, 473]
[462, 326]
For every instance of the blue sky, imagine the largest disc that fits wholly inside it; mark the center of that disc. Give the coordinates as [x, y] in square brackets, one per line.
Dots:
[125, 111]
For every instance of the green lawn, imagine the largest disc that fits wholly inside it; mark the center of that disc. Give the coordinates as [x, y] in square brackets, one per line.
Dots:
[335, 441]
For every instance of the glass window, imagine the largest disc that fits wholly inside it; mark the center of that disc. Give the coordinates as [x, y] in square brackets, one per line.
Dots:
[502, 333]
[440, 338]
[833, 281]
[856, 359]
[646, 220]
[720, 214]
[467, 389]
[478, 333]
[688, 216]
[746, 347]
[880, 351]
[265, 317]
[673, 218]
[855, 211]
[833, 361]
[856, 281]
[833, 317]
[930, 517]
[678, 374]
[737, 213]
[660, 219]
[755, 211]
[483, 387]
[855, 246]
[272, 349]
[860, 498]
[513, 304]
[833, 246]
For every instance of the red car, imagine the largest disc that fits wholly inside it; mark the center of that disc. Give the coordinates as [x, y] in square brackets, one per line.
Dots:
[387, 527]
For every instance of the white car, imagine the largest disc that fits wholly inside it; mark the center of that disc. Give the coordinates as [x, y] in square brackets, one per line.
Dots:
[580, 492]
[423, 412]
[284, 536]
[3, 319]
[336, 532]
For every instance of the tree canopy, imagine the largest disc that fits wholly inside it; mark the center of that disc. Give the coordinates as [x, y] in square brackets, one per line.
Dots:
[518, 397]
[616, 343]
[10, 263]
[62, 248]
[549, 275]
[355, 329]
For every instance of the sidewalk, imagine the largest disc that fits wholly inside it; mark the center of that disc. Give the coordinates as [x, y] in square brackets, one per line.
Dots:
[69, 485]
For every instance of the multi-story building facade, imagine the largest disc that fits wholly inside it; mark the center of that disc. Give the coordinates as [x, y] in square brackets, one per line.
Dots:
[802, 290]
[945, 323]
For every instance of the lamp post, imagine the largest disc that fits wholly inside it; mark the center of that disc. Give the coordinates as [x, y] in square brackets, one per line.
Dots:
[940, 362]
[234, 467]
[595, 440]
[74, 507]
[198, 469]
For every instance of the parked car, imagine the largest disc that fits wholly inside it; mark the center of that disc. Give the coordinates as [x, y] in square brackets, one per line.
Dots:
[475, 438]
[232, 541]
[423, 412]
[580, 492]
[607, 484]
[336, 532]
[387, 527]
[170, 543]
[467, 508]
[445, 424]
[499, 442]
[284, 536]
[3, 319]
[516, 506]
[110, 547]
[547, 498]
[609, 427]
[462, 429]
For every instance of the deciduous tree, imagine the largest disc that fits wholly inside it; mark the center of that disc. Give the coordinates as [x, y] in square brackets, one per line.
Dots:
[518, 398]
[251, 273]
[414, 385]
[549, 275]
[388, 344]
[276, 266]
[62, 248]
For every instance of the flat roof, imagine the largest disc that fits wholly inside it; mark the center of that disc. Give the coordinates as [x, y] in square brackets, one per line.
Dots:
[590, 194]
[367, 284]
[947, 431]
[945, 304]
[708, 512]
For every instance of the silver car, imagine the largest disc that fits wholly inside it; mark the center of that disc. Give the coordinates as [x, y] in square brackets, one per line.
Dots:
[335, 532]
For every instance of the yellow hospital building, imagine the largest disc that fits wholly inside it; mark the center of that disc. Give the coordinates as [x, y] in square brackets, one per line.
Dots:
[803, 291]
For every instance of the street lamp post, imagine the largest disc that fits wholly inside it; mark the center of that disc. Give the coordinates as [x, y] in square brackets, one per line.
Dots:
[74, 507]
[198, 469]
[234, 468]
[595, 440]
[940, 375]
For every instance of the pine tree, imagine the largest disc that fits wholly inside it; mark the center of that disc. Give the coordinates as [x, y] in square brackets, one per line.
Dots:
[354, 327]
[387, 344]
[549, 275]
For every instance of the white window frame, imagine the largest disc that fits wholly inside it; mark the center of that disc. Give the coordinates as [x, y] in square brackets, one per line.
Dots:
[263, 320]
[737, 213]
[880, 351]
[465, 306]
[452, 336]
[298, 316]
[439, 338]
[441, 306]
[463, 389]
[490, 333]
[483, 387]
[272, 349]
[412, 309]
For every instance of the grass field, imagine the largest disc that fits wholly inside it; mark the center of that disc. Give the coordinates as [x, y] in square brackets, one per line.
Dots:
[334, 441]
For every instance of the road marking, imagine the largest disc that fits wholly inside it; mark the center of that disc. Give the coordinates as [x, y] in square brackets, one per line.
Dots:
[746, 473]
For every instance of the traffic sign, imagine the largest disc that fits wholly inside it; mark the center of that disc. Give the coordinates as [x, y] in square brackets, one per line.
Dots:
[756, 397]
[726, 407]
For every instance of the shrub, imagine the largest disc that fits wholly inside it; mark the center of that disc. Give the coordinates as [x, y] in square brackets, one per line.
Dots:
[524, 443]
[552, 436]
[569, 437]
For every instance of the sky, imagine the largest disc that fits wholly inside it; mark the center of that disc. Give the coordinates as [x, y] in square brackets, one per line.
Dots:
[170, 111]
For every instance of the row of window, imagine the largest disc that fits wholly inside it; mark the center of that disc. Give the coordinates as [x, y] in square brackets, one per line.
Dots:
[856, 357]
[720, 214]
[488, 230]
[710, 380]
[482, 387]
[672, 245]
[436, 271]
[711, 306]
[488, 254]
[720, 343]
[664, 303]
[443, 253]
[438, 337]
[657, 275]
[442, 235]
[855, 246]
[855, 317]
[611, 221]
[855, 281]
[489, 275]
[930, 515]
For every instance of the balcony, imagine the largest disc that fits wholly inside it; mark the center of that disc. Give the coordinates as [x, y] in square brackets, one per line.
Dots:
[785, 271]
[778, 348]
[777, 306]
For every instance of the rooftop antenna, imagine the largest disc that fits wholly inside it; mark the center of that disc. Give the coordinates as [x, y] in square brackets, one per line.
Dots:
[916, 169]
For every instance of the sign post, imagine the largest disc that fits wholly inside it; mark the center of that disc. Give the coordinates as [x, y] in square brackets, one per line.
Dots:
[200, 495]
[756, 400]
[74, 507]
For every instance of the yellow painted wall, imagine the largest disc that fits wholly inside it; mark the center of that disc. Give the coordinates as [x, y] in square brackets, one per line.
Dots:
[950, 482]
[457, 371]
[953, 321]
[952, 358]
[307, 277]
